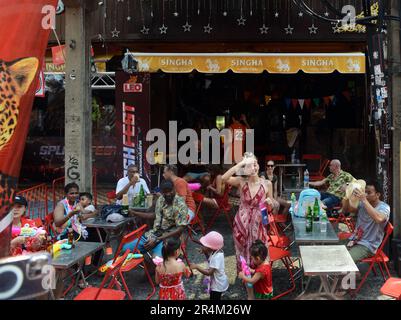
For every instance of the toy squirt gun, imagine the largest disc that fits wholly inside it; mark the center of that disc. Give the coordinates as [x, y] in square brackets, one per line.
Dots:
[245, 270]
[27, 231]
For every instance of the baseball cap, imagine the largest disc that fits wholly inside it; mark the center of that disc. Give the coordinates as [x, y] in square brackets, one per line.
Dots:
[20, 200]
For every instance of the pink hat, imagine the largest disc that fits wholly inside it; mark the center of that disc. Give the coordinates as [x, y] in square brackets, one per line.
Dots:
[212, 240]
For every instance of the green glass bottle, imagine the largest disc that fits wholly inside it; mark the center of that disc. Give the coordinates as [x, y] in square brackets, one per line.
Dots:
[316, 210]
[142, 199]
[309, 220]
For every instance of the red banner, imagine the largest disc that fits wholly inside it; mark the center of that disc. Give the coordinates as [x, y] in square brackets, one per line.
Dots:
[23, 41]
[133, 120]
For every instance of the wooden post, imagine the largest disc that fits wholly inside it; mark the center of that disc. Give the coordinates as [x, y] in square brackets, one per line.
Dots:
[78, 100]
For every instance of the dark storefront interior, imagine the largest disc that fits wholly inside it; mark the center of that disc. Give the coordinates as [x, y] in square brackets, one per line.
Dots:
[334, 128]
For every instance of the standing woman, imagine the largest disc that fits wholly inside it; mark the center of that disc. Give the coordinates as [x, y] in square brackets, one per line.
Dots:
[248, 225]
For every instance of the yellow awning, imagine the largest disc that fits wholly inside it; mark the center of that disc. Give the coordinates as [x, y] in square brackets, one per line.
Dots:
[286, 63]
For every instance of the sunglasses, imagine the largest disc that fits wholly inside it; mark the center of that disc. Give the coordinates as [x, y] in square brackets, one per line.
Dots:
[270, 165]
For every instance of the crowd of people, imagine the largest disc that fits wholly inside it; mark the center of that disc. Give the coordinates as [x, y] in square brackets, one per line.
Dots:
[175, 208]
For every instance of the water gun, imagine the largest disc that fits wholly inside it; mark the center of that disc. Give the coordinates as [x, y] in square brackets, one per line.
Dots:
[129, 257]
[158, 260]
[194, 186]
[27, 231]
[245, 270]
[60, 245]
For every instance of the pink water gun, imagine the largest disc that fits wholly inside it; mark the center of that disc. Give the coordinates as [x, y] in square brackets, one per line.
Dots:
[194, 186]
[245, 270]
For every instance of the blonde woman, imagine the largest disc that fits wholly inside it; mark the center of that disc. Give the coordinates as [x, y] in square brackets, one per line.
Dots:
[254, 190]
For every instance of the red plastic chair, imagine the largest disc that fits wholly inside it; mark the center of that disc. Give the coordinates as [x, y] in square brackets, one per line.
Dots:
[49, 220]
[111, 196]
[276, 237]
[197, 220]
[392, 288]
[276, 254]
[224, 208]
[132, 264]
[275, 158]
[102, 293]
[379, 258]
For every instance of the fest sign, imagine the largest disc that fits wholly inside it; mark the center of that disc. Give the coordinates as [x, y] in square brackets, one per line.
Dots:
[289, 63]
[23, 43]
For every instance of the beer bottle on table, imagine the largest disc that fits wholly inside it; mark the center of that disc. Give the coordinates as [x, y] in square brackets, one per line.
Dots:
[142, 200]
[309, 220]
[71, 237]
[316, 210]
[293, 201]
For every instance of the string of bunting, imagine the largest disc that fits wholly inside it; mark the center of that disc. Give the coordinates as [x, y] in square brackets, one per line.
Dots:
[308, 102]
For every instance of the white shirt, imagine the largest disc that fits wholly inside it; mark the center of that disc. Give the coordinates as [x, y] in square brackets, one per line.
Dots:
[90, 208]
[219, 280]
[133, 190]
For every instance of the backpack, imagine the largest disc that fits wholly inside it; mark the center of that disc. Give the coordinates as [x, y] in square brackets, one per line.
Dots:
[306, 198]
[110, 209]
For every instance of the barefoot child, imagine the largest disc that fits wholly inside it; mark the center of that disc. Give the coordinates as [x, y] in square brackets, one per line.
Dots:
[169, 273]
[262, 275]
[213, 243]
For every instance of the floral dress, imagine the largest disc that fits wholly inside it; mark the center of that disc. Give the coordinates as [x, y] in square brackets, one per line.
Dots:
[248, 226]
[171, 286]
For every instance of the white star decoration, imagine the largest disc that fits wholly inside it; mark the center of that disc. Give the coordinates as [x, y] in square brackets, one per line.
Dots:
[241, 21]
[336, 29]
[276, 15]
[145, 30]
[115, 32]
[163, 29]
[129, 18]
[300, 14]
[313, 29]
[289, 29]
[264, 29]
[326, 14]
[187, 27]
[207, 28]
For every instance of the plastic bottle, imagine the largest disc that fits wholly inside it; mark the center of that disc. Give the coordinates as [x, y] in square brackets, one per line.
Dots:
[293, 156]
[293, 201]
[323, 222]
[263, 211]
[306, 179]
[71, 237]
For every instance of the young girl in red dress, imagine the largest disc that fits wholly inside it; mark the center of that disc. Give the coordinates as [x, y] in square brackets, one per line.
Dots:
[169, 273]
[262, 275]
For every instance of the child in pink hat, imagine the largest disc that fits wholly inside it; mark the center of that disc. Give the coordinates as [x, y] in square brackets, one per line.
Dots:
[212, 245]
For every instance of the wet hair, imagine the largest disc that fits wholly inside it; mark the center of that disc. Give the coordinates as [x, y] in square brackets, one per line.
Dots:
[86, 194]
[258, 249]
[166, 185]
[172, 167]
[170, 246]
[70, 186]
[376, 184]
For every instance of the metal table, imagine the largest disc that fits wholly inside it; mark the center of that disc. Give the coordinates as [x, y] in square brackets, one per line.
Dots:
[330, 263]
[66, 259]
[98, 223]
[314, 237]
[281, 167]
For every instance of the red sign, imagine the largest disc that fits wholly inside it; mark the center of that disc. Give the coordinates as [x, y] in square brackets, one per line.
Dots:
[23, 43]
[132, 87]
[58, 54]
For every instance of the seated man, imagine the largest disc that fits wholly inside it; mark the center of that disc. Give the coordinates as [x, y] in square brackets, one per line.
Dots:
[337, 180]
[372, 217]
[131, 185]
[181, 187]
[170, 220]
